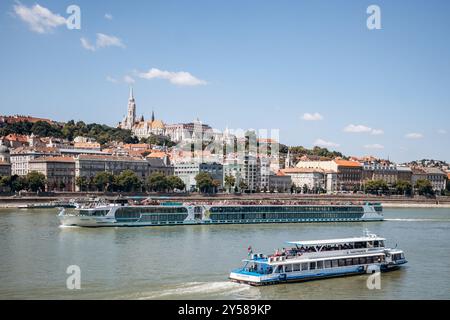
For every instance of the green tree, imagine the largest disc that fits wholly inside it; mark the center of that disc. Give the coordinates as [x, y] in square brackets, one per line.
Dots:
[175, 182]
[128, 181]
[157, 181]
[424, 187]
[204, 182]
[376, 187]
[35, 181]
[229, 182]
[104, 181]
[243, 186]
[81, 183]
[403, 187]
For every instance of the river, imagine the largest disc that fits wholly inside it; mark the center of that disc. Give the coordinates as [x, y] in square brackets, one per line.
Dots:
[193, 262]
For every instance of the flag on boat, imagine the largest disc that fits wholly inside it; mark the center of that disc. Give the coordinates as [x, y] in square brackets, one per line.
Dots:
[250, 250]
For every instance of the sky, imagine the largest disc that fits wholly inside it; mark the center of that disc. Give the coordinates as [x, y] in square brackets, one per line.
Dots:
[311, 69]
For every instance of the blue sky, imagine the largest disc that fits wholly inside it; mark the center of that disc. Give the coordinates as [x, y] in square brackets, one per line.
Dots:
[247, 64]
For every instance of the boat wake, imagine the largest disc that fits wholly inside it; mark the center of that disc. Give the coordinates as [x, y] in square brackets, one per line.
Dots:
[195, 289]
[419, 220]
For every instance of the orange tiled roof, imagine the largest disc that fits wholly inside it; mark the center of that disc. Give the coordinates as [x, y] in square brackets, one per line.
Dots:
[347, 163]
[16, 137]
[157, 155]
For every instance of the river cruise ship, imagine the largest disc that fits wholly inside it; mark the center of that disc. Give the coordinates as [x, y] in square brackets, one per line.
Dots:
[125, 215]
[318, 259]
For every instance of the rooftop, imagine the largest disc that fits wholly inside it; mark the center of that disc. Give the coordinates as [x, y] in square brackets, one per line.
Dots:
[53, 159]
[347, 163]
[335, 241]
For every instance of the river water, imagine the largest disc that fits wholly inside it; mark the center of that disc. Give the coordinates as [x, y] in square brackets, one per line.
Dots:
[193, 262]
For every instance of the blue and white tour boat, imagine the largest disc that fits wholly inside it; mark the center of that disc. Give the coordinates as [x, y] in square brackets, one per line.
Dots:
[318, 259]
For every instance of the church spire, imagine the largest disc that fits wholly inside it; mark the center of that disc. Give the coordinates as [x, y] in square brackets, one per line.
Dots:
[131, 94]
[153, 115]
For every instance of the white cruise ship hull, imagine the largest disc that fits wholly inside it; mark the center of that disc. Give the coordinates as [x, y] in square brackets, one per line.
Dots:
[135, 216]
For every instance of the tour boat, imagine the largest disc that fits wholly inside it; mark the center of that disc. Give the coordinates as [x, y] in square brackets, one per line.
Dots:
[125, 215]
[318, 259]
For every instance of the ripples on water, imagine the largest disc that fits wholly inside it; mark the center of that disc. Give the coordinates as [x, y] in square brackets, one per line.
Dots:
[193, 262]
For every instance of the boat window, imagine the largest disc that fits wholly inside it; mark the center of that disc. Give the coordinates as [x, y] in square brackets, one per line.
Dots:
[369, 259]
[334, 263]
[362, 260]
[304, 266]
[355, 261]
[376, 243]
[319, 264]
[288, 268]
[327, 263]
[312, 265]
[348, 262]
[341, 262]
[296, 267]
[381, 243]
[278, 269]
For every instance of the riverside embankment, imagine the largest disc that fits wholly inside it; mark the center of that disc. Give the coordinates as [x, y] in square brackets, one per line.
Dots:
[15, 201]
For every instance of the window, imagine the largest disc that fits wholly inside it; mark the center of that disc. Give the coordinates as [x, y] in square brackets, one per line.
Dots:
[288, 268]
[312, 265]
[304, 266]
[334, 263]
[362, 260]
[355, 261]
[296, 267]
[369, 259]
[319, 264]
[348, 262]
[327, 263]
[341, 262]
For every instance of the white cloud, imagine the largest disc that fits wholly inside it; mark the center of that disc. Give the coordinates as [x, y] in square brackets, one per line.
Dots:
[327, 144]
[377, 132]
[442, 131]
[312, 116]
[128, 79]
[87, 45]
[111, 79]
[102, 41]
[180, 78]
[374, 146]
[357, 128]
[351, 128]
[414, 135]
[108, 16]
[38, 18]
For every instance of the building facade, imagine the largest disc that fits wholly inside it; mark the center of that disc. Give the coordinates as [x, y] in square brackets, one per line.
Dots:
[21, 157]
[89, 165]
[59, 172]
[246, 169]
[280, 183]
[189, 170]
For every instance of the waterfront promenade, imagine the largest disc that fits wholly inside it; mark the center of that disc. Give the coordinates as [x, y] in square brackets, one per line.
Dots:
[387, 201]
